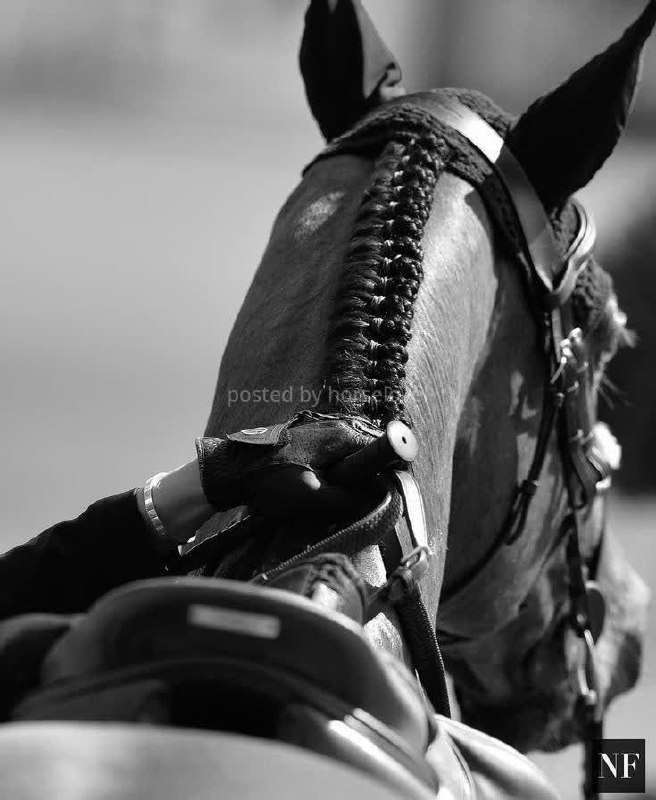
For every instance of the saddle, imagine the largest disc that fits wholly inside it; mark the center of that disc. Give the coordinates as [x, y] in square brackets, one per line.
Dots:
[280, 692]
[124, 762]
[234, 657]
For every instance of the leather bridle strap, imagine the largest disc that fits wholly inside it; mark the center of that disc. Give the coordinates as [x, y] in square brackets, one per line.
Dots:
[515, 521]
[402, 591]
[545, 261]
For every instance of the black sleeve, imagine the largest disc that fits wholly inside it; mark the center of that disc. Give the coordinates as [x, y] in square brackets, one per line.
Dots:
[69, 566]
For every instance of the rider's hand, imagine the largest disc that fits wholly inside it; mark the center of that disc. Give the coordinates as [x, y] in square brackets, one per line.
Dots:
[284, 478]
[295, 491]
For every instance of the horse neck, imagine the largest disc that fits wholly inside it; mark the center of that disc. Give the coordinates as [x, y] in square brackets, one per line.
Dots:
[494, 447]
[454, 310]
[279, 337]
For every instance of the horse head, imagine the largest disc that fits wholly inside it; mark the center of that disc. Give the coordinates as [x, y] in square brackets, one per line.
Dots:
[389, 289]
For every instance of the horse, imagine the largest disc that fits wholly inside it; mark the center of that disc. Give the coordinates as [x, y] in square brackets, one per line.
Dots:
[454, 349]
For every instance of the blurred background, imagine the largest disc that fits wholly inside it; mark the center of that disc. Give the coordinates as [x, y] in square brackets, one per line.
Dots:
[145, 147]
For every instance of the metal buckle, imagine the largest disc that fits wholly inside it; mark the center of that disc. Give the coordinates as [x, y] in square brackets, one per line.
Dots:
[587, 677]
[413, 507]
[604, 453]
[576, 258]
[406, 576]
[572, 354]
[566, 356]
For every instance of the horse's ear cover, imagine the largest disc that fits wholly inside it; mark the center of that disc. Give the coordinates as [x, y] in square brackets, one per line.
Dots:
[346, 66]
[564, 137]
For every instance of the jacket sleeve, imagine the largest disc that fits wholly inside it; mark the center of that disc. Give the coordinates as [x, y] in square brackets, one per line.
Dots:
[69, 566]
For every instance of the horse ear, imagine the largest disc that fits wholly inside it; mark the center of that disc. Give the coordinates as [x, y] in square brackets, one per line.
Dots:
[346, 67]
[566, 135]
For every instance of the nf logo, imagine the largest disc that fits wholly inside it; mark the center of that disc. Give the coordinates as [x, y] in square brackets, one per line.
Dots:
[620, 765]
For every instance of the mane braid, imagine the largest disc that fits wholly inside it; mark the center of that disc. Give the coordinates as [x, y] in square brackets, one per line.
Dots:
[364, 371]
[371, 327]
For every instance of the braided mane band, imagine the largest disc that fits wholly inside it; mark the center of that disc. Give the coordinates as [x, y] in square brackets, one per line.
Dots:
[365, 367]
[367, 348]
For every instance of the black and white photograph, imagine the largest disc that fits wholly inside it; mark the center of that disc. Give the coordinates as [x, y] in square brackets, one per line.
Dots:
[327, 390]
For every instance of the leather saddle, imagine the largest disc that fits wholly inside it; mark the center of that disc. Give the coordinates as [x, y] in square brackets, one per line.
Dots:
[237, 658]
[174, 688]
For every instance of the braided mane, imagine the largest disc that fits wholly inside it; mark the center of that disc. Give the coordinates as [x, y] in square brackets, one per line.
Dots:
[367, 349]
[372, 320]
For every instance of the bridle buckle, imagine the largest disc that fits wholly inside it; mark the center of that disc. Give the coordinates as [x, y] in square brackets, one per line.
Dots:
[587, 676]
[407, 576]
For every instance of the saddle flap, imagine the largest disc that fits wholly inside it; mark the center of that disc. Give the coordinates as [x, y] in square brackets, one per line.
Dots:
[121, 762]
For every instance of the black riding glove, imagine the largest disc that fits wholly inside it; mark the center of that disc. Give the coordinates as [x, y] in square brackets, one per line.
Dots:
[278, 470]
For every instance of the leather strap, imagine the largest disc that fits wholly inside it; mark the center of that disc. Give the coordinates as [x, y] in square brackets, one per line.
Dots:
[518, 514]
[418, 630]
[359, 535]
[533, 221]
